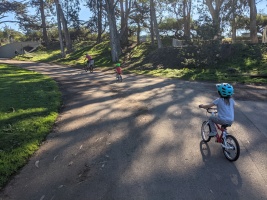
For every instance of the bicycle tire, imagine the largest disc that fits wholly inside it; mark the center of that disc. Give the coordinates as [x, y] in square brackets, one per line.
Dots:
[231, 154]
[205, 131]
[91, 69]
[120, 78]
[86, 67]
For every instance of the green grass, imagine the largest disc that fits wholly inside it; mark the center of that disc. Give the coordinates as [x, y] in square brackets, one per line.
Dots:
[202, 75]
[247, 69]
[100, 52]
[29, 104]
[241, 69]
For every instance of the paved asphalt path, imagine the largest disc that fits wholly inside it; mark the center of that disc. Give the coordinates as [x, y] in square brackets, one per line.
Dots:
[140, 139]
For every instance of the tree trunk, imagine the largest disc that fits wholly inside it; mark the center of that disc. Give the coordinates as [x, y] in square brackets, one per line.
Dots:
[186, 18]
[233, 28]
[124, 21]
[154, 21]
[152, 36]
[215, 13]
[114, 39]
[138, 32]
[253, 24]
[45, 37]
[66, 30]
[60, 32]
[99, 20]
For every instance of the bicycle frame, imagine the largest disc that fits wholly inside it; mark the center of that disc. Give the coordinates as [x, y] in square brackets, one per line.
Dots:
[229, 143]
[219, 136]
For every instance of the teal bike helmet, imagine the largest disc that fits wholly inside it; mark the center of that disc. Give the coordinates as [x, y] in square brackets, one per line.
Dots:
[225, 89]
[118, 65]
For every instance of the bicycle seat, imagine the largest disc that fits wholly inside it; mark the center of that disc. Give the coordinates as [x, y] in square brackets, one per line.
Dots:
[226, 125]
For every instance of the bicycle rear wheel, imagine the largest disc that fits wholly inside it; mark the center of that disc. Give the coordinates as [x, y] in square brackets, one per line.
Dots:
[231, 148]
[120, 78]
[205, 131]
[91, 68]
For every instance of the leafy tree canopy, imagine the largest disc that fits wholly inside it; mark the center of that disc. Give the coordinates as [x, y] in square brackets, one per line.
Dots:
[11, 7]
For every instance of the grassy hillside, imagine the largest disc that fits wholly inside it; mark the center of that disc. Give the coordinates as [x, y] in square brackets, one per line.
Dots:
[206, 62]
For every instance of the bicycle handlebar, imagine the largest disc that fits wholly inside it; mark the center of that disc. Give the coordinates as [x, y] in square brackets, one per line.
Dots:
[212, 110]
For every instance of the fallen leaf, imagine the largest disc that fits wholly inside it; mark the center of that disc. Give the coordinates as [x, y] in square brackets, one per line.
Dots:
[70, 163]
[55, 157]
[37, 163]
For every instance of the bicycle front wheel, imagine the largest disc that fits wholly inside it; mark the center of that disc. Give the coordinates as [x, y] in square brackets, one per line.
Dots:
[231, 148]
[205, 131]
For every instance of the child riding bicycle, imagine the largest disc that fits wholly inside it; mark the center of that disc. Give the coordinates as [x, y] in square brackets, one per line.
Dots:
[118, 70]
[89, 62]
[225, 107]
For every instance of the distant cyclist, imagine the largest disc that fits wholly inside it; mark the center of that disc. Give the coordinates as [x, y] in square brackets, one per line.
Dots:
[90, 62]
[118, 71]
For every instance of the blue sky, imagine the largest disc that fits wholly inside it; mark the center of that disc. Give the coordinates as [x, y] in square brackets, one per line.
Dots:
[85, 13]
[83, 16]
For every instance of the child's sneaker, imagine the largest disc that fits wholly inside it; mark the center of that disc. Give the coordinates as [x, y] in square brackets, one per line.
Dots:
[212, 134]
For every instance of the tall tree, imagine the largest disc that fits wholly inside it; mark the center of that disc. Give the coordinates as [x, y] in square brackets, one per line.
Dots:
[15, 7]
[97, 21]
[234, 9]
[215, 7]
[71, 9]
[187, 9]
[42, 11]
[35, 21]
[60, 31]
[65, 29]
[152, 32]
[99, 8]
[125, 9]
[114, 37]
[253, 24]
[243, 22]
[155, 23]
[139, 15]
[64, 25]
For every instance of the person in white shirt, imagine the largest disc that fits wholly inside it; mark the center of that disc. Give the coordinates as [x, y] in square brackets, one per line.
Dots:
[225, 107]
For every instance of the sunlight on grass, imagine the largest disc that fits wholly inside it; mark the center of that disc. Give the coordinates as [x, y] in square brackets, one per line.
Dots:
[249, 62]
[29, 106]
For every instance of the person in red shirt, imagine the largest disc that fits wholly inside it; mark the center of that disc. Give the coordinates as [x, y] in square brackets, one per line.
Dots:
[90, 61]
[118, 71]
[118, 68]
[88, 57]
